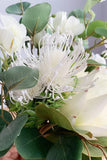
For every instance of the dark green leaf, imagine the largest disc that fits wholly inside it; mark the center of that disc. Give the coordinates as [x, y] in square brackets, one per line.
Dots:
[90, 68]
[101, 31]
[2, 153]
[7, 116]
[8, 134]
[36, 17]
[55, 116]
[95, 24]
[16, 8]
[31, 145]
[84, 157]
[19, 77]
[67, 148]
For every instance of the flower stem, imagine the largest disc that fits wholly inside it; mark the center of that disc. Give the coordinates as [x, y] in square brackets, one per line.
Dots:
[21, 6]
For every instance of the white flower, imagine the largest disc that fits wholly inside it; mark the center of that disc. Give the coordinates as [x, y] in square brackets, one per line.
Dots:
[12, 34]
[100, 87]
[71, 25]
[87, 110]
[57, 66]
[98, 58]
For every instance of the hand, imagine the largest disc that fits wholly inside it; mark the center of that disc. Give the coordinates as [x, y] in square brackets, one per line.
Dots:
[12, 154]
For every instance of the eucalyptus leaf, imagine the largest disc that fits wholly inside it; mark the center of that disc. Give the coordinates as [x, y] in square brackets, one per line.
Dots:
[95, 24]
[89, 4]
[93, 62]
[2, 153]
[67, 148]
[78, 14]
[7, 116]
[101, 31]
[94, 151]
[9, 134]
[16, 8]
[19, 77]
[55, 116]
[31, 145]
[36, 17]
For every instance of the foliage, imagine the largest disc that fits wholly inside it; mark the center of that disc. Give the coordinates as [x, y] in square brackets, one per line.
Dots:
[54, 64]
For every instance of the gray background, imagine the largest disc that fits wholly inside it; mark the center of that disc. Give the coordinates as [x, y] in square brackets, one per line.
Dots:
[62, 5]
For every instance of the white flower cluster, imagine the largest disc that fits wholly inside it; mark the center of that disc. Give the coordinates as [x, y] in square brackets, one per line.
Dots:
[61, 63]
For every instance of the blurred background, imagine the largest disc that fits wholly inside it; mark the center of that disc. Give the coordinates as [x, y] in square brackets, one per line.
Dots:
[62, 5]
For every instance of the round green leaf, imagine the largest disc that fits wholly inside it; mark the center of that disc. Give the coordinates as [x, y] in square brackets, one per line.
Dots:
[7, 116]
[95, 24]
[94, 151]
[55, 116]
[31, 145]
[8, 134]
[19, 77]
[78, 14]
[67, 148]
[2, 153]
[36, 17]
[16, 8]
[101, 31]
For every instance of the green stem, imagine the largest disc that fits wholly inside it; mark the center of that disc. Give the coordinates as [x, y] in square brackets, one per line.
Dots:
[21, 6]
[96, 45]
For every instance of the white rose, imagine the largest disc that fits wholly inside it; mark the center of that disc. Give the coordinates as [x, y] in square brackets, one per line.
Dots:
[71, 25]
[12, 34]
[87, 111]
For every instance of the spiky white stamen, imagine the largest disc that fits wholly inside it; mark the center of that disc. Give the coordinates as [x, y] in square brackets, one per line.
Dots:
[57, 66]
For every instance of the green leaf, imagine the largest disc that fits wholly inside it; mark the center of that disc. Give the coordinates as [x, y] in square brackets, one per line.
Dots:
[67, 148]
[55, 116]
[16, 8]
[36, 17]
[19, 77]
[94, 151]
[101, 31]
[78, 14]
[9, 134]
[84, 157]
[2, 153]
[3, 124]
[7, 116]
[31, 145]
[93, 62]
[90, 68]
[89, 4]
[95, 24]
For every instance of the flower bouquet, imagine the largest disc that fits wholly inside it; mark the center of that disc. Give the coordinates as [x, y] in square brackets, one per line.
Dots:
[53, 83]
